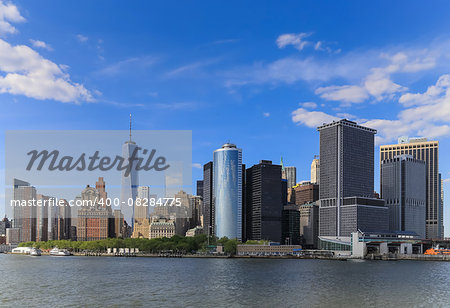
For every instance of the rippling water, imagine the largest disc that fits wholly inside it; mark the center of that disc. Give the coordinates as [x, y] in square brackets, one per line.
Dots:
[108, 281]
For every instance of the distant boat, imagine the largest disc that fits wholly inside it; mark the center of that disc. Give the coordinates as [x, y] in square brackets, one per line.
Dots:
[22, 250]
[59, 252]
[35, 252]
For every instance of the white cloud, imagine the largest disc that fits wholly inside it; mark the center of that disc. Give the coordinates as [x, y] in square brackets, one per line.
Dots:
[426, 114]
[82, 38]
[311, 118]
[41, 44]
[294, 39]
[130, 65]
[348, 94]
[176, 106]
[28, 73]
[309, 105]
[266, 114]
[9, 14]
[190, 67]
[197, 165]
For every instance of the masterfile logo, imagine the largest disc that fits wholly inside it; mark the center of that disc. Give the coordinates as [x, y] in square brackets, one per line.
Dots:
[63, 163]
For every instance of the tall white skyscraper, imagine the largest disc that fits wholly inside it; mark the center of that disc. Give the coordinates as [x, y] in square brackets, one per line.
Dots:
[315, 171]
[142, 211]
[227, 185]
[130, 181]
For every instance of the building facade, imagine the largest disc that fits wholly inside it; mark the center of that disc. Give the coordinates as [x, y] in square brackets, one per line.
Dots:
[208, 205]
[94, 219]
[403, 187]
[24, 216]
[264, 204]
[227, 185]
[129, 182]
[162, 227]
[347, 180]
[315, 171]
[290, 225]
[428, 151]
[309, 225]
[290, 174]
[306, 193]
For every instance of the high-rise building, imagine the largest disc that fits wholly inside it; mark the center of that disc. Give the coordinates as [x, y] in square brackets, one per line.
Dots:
[196, 204]
[4, 224]
[428, 151]
[306, 193]
[42, 217]
[290, 174]
[130, 181]
[290, 225]
[208, 205]
[347, 181]
[200, 188]
[95, 221]
[142, 207]
[24, 216]
[309, 225]
[441, 180]
[141, 225]
[315, 171]
[64, 221]
[119, 227]
[264, 204]
[403, 183]
[227, 185]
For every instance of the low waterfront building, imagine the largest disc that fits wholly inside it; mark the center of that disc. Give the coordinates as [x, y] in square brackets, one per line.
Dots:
[355, 213]
[194, 231]
[267, 250]
[162, 227]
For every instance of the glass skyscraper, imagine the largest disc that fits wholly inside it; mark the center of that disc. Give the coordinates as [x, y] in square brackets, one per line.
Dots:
[130, 182]
[227, 185]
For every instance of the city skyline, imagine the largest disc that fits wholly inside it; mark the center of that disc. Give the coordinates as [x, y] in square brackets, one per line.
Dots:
[274, 85]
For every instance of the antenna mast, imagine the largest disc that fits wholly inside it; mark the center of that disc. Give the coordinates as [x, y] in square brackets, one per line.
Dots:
[130, 127]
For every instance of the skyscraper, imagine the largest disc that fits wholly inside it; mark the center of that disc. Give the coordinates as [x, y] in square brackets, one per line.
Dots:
[263, 203]
[227, 185]
[347, 181]
[130, 182]
[42, 217]
[24, 216]
[290, 174]
[403, 187]
[208, 205]
[142, 211]
[428, 151]
[95, 221]
[200, 188]
[315, 171]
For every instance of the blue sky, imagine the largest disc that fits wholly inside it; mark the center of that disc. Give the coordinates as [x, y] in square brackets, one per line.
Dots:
[260, 74]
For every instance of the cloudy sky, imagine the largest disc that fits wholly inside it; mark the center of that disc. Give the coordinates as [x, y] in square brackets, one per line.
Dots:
[259, 74]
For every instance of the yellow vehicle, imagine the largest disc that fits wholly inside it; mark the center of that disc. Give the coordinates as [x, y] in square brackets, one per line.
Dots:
[437, 251]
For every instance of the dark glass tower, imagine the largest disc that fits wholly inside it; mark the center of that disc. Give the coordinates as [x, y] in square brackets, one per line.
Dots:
[208, 206]
[264, 204]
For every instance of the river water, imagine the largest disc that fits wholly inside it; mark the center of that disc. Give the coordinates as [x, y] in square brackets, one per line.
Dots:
[182, 282]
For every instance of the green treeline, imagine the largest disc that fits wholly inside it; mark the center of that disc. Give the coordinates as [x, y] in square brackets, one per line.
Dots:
[176, 243]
